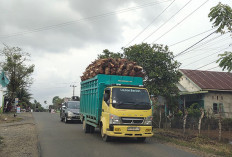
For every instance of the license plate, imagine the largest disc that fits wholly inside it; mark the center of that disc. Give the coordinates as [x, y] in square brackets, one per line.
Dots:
[133, 129]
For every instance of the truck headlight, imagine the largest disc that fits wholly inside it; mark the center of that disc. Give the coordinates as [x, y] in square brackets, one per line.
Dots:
[148, 120]
[114, 119]
[70, 113]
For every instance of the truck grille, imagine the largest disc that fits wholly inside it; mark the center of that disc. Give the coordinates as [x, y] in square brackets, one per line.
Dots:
[132, 120]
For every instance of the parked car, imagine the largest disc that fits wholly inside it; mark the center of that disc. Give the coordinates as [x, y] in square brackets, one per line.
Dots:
[70, 111]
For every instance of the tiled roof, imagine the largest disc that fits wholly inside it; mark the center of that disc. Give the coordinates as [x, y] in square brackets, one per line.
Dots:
[210, 80]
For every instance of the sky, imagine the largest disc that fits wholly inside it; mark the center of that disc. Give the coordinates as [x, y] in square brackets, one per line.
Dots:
[65, 36]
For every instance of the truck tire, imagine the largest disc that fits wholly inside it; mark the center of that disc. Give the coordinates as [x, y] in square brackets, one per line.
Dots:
[141, 139]
[86, 127]
[91, 129]
[105, 137]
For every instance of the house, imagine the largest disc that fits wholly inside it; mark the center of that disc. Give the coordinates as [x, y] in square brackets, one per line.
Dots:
[210, 89]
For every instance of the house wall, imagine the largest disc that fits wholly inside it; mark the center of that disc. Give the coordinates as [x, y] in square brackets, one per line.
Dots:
[219, 97]
[188, 84]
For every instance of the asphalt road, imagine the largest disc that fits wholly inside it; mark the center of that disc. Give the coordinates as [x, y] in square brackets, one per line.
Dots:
[58, 139]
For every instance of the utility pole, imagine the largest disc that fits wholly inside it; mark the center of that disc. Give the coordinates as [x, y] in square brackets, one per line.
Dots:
[73, 89]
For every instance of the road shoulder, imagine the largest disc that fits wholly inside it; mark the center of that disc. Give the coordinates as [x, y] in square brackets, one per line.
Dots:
[19, 138]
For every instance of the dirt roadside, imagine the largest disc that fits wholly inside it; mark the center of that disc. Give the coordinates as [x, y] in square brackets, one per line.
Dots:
[19, 138]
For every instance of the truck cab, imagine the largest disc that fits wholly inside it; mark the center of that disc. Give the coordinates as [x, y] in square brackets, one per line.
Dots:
[126, 112]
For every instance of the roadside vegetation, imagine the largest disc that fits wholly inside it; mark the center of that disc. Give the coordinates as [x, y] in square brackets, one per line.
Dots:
[9, 118]
[199, 143]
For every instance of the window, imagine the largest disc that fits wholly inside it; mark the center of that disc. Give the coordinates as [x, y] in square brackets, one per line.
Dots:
[215, 108]
[221, 97]
[212, 97]
[221, 108]
[107, 96]
[217, 97]
[218, 108]
[130, 98]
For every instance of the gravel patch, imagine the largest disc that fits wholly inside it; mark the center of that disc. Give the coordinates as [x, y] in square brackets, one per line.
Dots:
[19, 138]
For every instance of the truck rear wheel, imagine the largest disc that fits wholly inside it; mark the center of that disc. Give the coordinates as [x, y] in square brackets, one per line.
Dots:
[86, 127]
[92, 129]
[105, 137]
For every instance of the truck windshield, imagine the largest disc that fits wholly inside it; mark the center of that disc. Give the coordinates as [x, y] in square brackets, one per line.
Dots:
[130, 98]
[74, 105]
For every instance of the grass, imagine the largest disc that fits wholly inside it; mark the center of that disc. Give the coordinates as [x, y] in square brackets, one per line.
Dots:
[8, 118]
[202, 144]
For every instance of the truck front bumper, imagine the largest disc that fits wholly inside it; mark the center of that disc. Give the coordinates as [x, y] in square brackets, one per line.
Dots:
[130, 131]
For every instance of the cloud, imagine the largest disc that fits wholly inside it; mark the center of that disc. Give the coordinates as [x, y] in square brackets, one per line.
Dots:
[23, 23]
[65, 36]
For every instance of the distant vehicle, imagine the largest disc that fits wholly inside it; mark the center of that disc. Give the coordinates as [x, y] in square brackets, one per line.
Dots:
[70, 111]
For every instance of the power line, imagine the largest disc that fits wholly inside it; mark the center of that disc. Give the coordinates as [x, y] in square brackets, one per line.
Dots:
[189, 38]
[210, 42]
[202, 44]
[206, 56]
[182, 52]
[207, 64]
[167, 21]
[213, 48]
[57, 83]
[80, 20]
[209, 47]
[150, 24]
[180, 22]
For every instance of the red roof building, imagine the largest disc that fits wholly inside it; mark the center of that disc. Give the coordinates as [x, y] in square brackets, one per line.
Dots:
[210, 80]
[211, 89]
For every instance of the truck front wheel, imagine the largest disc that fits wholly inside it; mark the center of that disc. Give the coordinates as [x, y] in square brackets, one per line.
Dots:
[105, 137]
[86, 127]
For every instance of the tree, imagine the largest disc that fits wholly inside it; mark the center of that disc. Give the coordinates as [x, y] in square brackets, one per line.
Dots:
[221, 15]
[108, 54]
[19, 73]
[38, 107]
[57, 101]
[225, 61]
[24, 98]
[161, 70]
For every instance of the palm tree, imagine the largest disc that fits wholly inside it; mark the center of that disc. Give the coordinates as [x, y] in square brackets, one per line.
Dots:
[24, 97]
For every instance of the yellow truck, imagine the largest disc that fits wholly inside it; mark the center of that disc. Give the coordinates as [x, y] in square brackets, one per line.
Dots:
[118, 105]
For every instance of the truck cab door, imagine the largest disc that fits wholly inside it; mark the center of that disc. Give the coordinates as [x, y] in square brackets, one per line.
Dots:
[105, 106]
[106, 100]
